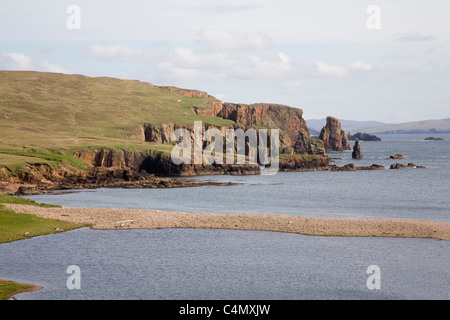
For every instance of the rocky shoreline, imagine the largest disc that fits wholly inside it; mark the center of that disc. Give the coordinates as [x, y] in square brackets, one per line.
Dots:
[43, 179]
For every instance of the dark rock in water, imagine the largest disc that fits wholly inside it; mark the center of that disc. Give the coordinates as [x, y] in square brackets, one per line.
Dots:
[352, 167]
[433, 139]
[409, 165]
[356, 154]
[347, 167]
[397, 156]
[372, 167]
[363, 137]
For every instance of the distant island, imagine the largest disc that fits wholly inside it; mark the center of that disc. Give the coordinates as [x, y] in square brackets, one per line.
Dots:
[363, 137]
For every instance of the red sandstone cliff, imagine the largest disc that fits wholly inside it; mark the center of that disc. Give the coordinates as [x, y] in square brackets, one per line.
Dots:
[333, 136]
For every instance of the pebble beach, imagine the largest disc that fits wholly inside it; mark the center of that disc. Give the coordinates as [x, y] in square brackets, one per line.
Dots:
[110, 219]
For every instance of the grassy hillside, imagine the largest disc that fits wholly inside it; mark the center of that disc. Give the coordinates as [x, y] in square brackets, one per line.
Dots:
[52, 110]
[44, 115]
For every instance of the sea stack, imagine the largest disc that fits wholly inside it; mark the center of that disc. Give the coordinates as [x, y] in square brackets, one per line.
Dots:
[333, 136]
[356, 154]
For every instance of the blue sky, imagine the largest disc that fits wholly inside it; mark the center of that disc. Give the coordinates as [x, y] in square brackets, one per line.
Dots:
[321, 56]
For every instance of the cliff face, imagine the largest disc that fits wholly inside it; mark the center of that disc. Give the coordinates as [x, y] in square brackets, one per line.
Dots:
[333, 136]
[294, 133]
[289, 120]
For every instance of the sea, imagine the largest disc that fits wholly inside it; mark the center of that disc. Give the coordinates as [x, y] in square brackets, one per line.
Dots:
[173, 264]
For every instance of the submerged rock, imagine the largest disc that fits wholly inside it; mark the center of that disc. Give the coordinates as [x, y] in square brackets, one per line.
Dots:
[397, 156]
[352, 167]
[409, 165]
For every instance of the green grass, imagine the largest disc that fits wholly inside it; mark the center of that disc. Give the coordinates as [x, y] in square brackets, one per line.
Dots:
[52, 110]
[10, 288]
[17, 226]
[5, 198]
[17, 161]
[45, 116]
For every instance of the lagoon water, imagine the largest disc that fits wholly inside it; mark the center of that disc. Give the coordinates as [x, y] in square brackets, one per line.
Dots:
[232, 264]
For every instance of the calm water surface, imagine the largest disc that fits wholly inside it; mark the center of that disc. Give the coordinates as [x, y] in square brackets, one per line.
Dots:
[226, 264]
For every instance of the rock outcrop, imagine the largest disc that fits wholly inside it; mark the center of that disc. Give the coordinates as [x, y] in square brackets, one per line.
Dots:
[356, 154]
[304, 163]
[333, 136]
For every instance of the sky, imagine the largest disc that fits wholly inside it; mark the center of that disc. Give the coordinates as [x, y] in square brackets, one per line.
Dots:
[380, 60]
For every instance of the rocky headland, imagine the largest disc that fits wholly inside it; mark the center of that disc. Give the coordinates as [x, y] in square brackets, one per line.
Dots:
[117, 133]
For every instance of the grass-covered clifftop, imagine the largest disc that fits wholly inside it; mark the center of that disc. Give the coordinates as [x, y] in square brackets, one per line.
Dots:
[45, 116]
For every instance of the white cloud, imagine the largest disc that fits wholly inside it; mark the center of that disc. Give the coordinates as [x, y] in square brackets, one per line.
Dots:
[52, 67]
[228, 40]
[171, 72]
[267, 65]
[121, 52]
[353, 69]
[220, 96]
[321, 68]
[21, 62]
[359, 65]
[16, 61]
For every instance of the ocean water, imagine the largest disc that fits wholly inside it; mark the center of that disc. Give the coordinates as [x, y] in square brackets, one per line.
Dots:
[407, 193]
[236, 264]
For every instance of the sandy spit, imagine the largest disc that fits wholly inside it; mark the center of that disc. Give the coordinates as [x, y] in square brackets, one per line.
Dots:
[105, 218]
